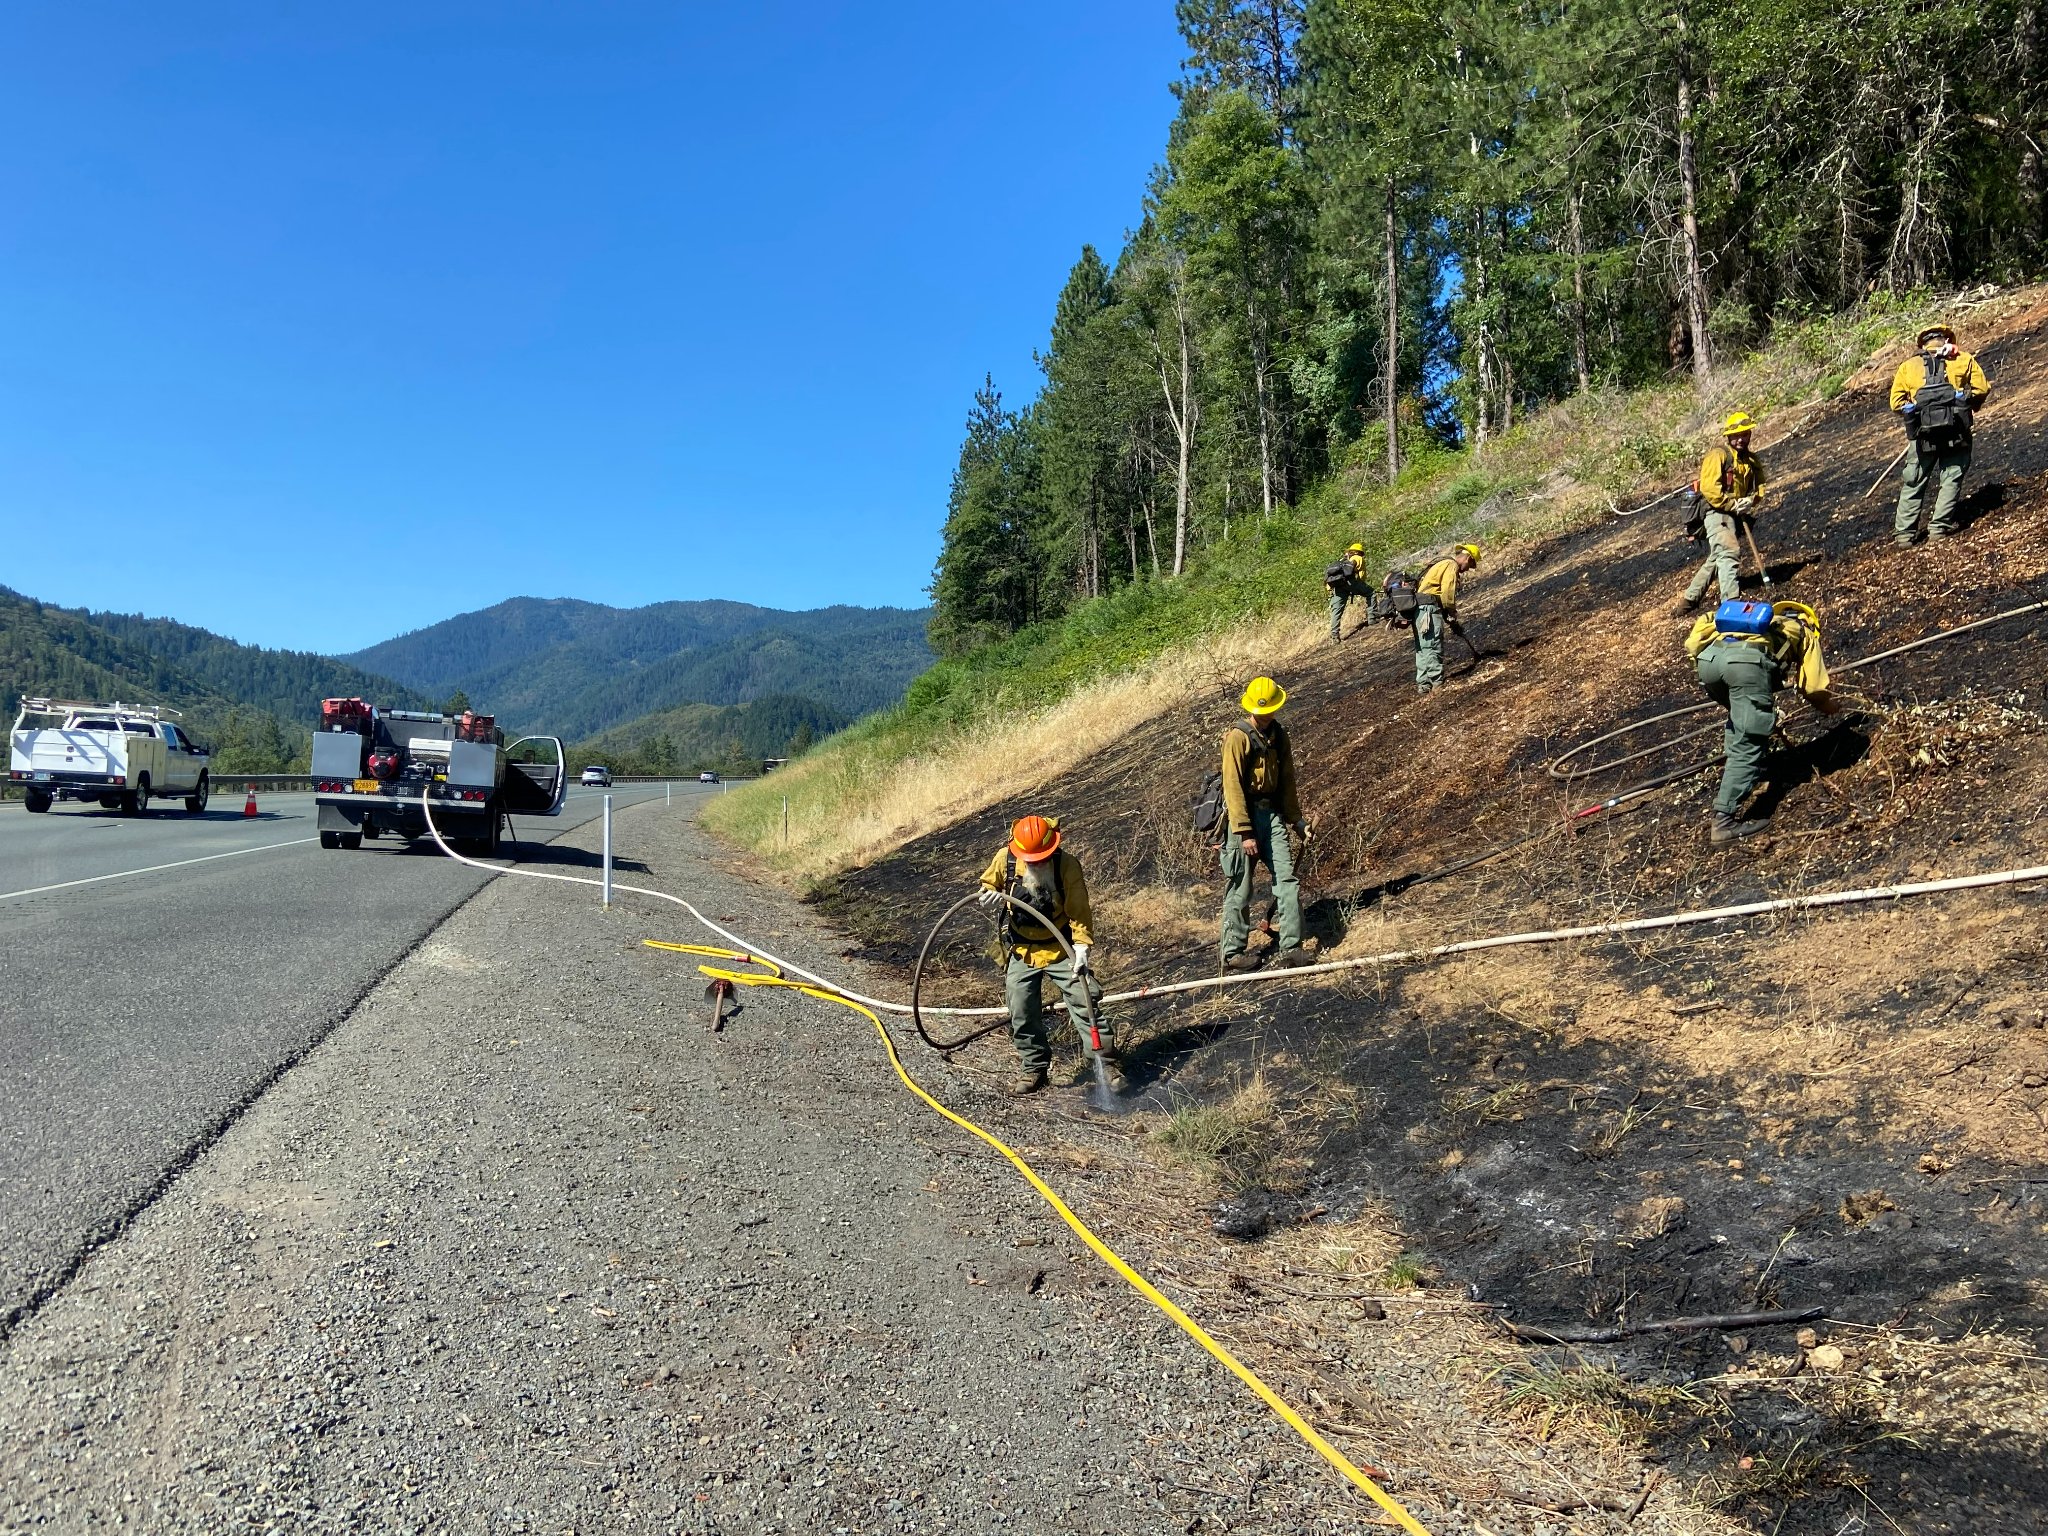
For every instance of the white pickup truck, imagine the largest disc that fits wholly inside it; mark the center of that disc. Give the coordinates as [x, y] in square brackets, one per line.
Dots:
[121, 755]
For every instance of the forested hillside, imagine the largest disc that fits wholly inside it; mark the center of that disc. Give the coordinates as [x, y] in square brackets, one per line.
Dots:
[731, 738]
[63, 653]
[577, 668]
[288, 684]
[1381, 228]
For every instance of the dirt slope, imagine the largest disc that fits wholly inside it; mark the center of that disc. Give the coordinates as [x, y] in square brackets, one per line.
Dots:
[1847, 1112]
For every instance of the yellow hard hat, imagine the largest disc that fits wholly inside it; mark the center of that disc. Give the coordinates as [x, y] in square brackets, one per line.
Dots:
[1786, 609]
[1472, 550]
[1936, 329]
[1262, 696]
[1740, 422]
[1354, 549]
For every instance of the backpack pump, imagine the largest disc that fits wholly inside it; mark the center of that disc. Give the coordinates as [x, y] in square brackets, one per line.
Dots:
[1013, 882]
[1941, 415]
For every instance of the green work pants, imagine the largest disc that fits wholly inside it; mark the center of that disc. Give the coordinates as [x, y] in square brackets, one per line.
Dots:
[1741, 679]
[1723, 554]
[1027, 1007]
[1429, 647]
[1340, 599]
[1238, 871]
[1946, 467]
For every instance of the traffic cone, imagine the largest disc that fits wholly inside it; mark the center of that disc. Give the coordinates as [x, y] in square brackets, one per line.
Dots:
[249, 805]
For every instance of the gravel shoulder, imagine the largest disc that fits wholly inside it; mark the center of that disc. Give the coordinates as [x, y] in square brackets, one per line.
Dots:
[523, 1246]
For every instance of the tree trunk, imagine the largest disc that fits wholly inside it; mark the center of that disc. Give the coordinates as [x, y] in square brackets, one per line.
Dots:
[1580, 362]
[1184, 413]
[1183, 475]
[1693, 279]
[1265, 414]
[1151, 535]
[1483, 414]
[1391, 369]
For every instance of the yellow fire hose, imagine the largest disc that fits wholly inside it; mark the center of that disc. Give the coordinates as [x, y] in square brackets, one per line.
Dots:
[1102, 1250]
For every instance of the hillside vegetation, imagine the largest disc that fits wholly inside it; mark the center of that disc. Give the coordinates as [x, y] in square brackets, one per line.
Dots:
[729, 738]
[578, 669]
[255, 707]
[1016, 713]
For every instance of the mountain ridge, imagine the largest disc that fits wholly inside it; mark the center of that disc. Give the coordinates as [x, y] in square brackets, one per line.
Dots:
[579, 668]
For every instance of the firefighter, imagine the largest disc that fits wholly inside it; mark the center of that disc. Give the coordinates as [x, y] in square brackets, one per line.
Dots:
[1346, 579]
[1260, 806]
[1744, 653]
[1732, 487]
[1937, 425]
[1032, 868]
[1436, 605]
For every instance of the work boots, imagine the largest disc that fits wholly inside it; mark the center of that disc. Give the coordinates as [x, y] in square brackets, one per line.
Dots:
[1726, 829]
[1027, 1080]
[1243, 960]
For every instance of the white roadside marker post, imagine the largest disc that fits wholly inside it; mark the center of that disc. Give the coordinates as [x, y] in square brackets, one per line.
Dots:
[607, 850]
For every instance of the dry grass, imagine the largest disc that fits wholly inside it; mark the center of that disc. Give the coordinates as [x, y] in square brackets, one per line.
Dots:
[1231, 1142]
[848, 807]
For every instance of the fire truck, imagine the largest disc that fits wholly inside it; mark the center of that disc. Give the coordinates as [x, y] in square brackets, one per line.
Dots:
[375, 770]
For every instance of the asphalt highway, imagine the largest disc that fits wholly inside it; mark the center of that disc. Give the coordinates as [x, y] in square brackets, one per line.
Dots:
[151, 987]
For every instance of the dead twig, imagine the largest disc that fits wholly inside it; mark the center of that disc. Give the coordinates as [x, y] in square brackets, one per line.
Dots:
[1533, 1334]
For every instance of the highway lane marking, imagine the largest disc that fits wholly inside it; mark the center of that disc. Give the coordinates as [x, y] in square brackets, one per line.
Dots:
[122, 874]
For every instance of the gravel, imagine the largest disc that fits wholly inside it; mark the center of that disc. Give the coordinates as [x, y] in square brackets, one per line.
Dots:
[523, 1246]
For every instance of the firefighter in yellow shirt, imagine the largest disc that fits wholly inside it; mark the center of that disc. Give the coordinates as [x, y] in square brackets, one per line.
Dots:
[1033, 868]
[1436, 606]
[1260, 804]
[1744, 653]
[1936, 391]
[1732, 486]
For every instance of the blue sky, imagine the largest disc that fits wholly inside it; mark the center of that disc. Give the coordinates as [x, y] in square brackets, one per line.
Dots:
[319, 323]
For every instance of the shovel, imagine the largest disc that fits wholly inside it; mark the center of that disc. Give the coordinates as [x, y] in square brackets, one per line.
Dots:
[1761, 569]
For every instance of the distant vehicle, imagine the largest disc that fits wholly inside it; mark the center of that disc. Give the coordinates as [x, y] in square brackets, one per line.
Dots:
[707, 778]
[599, 775]
[374, 771]
[121, 755]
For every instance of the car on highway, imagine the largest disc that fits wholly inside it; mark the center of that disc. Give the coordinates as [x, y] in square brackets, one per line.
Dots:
[121, 755]
[707, 778]
[597, 775]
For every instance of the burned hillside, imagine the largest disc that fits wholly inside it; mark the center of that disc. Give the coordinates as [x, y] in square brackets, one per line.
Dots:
[1844, 1111]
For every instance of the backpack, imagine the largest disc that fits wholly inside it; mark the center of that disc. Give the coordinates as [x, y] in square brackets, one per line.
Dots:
[1011, 882]
[1940, 416]
[1695, 506]
[1206, 804]
[1397, 598]
[1338, 574]
[1736, 617]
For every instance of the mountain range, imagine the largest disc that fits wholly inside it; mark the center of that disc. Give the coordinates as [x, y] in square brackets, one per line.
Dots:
[577, 669]
[680, 683]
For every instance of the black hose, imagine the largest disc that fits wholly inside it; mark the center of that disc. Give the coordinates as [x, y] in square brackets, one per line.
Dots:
[947, 1047]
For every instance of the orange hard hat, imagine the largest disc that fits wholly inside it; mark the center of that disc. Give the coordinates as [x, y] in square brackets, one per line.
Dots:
[1034, 838]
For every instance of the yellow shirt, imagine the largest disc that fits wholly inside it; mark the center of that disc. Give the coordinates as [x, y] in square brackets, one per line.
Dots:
[1440, 581]
[1793, 648]
[1262, 773]
[1963, 373]
[1070, 909]
[1727, 476]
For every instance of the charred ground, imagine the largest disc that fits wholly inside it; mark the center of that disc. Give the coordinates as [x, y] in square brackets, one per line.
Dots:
[1847, 1111]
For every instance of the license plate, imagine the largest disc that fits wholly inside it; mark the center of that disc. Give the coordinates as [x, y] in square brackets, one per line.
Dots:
[367, 786]
[42, 778]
